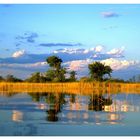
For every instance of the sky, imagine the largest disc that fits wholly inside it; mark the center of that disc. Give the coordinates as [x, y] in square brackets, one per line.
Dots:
[78, 33]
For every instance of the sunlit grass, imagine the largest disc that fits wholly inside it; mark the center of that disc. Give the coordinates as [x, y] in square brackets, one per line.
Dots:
[73, 87]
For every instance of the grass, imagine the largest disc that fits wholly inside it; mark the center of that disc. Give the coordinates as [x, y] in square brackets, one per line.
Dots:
[72, 87]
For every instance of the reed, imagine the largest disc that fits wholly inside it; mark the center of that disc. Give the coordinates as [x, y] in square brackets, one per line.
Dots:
[72, 87]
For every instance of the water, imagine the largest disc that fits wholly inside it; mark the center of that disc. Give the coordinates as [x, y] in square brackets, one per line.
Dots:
[30, 114]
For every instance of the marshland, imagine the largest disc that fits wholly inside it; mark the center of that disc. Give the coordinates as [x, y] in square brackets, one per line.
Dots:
[46, 103]
[69, 70]
[72, 87]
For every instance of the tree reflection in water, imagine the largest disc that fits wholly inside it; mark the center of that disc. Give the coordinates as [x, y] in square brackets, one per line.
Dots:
[72, 98]
[55, 102]
[38, 96]
[97, 102]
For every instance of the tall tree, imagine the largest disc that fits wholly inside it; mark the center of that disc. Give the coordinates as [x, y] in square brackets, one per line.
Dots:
[54, 62]
[98, 70]
[57, 73]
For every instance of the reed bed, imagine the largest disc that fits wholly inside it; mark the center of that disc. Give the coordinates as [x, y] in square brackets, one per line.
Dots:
[73, 87]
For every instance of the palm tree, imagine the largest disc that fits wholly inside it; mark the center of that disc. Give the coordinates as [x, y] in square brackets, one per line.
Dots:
[98, 70]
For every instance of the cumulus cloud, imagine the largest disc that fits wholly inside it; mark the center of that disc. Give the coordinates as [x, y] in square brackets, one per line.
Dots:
[109, 14]
[117, 52]
[18, 53]
[121, 68]
[98, 48]
[116, 64]
[59, 44]
[77, 64]
[66, 54]
[70, 50]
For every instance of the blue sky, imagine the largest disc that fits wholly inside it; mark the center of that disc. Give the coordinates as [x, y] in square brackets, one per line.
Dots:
[33, 29]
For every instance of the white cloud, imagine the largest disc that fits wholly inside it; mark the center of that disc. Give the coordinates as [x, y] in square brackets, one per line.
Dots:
[69, 50]
[115, 64]
[37, 64]
[86, 51]
[119, 64]
[77, 65]
[18, 53]
[118, 51]
[98, 48]
[121, 68]
[67, 54]
[28, 65]
[96, 53]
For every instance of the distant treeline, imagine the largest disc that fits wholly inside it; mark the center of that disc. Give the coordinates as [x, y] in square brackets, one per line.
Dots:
[10, 78]
[57, 73]
[39, 77]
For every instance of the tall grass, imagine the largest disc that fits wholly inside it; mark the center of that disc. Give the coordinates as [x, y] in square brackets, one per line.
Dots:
[72, 87]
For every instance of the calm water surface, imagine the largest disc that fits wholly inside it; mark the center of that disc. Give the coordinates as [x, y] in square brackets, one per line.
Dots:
[69, 114]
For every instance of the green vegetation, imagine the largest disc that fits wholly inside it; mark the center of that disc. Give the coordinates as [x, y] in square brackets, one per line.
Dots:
[10, 78]
[98, 70]
[36, 77]
[1, 79]
[72, 77]
[57, 73]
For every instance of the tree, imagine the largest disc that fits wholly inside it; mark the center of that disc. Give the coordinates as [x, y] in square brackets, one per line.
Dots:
[98, 70]
[57, 72]
[72, 76]
[108, 71]
[36, 77]
[61, 74]
[54, 62]
[50, 75]
[1, 79]
[11, 78]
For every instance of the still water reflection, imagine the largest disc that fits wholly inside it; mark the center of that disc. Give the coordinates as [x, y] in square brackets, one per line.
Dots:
[69, 114]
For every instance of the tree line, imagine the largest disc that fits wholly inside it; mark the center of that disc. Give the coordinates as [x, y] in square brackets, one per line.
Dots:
[57, 73]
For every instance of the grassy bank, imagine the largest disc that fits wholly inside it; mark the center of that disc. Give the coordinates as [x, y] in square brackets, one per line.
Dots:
[73, 87]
